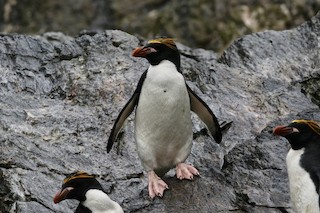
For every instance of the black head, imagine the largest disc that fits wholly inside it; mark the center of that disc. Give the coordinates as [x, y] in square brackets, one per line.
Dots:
[158, 50]
[75, 186]
[299, 133]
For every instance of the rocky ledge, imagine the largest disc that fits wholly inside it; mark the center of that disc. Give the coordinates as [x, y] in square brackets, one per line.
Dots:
[60, 95]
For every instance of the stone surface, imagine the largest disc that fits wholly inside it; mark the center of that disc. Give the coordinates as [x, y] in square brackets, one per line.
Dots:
[60, 95]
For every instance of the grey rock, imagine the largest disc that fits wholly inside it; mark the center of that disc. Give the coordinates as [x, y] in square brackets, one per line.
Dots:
[59, 97]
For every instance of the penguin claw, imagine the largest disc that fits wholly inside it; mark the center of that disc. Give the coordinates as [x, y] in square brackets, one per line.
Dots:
[156, 185]
[185, 171]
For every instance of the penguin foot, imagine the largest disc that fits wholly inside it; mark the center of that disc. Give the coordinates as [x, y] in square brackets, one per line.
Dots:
[185, 171]
[156, 185]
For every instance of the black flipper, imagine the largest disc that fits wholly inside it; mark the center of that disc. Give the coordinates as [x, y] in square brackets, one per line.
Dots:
[82, 208]
[125, 112]
[319, 191]
[199, 107]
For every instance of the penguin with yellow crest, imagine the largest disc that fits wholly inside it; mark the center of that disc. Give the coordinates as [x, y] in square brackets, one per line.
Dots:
[85, 188]
[303, 163]
[163, 126]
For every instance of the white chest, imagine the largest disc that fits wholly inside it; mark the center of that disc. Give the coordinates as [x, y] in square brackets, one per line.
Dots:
[302, 190]
[162, 79]
[99, 202]
[164, 101]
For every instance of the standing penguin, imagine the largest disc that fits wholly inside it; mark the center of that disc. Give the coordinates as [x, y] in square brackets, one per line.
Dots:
[86, 189]
[163, 126]
[303, 163]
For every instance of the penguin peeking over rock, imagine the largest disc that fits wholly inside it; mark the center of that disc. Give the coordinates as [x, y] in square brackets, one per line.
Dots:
[303, 163]
[85, 188]
[163, 126]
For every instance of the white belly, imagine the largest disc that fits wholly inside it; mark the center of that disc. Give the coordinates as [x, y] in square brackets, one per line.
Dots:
[99, 202]
[163, 126]
[302, 190]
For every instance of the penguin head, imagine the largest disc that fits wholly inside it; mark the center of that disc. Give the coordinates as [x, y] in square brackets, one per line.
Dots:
[158, 50]
[299, 133]
[75, 187]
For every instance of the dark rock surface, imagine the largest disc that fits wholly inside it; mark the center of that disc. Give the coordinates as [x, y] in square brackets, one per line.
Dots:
[60, 95]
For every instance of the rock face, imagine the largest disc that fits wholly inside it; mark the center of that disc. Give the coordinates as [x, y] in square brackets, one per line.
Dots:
[59, 97]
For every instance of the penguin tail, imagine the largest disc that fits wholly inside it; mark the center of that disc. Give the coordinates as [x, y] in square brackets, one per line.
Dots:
[225, 126]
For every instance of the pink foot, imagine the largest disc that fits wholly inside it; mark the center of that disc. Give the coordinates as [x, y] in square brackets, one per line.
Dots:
[185, 171]
[156, 186]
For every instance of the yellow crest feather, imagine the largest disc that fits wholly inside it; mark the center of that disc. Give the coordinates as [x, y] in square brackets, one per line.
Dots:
[76, 175]
[312, 124]
[169, 42]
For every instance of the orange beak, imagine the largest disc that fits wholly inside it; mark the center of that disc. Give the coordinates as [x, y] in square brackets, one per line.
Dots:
[61, 195]
[284, 130]
[143, 51]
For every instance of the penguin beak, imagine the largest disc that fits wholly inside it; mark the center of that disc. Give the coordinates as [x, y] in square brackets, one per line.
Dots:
[143, 51]
[62, 194]
[284, 130]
